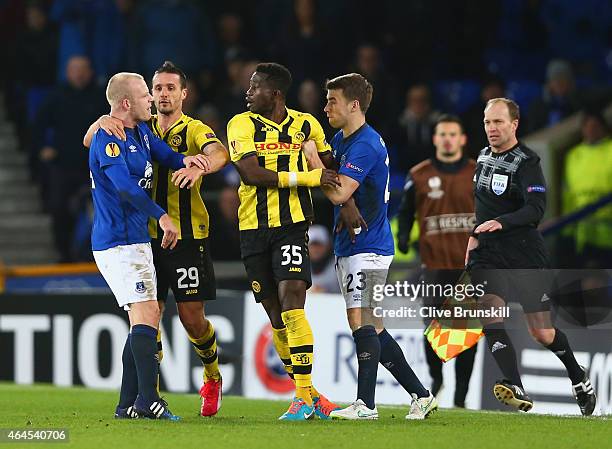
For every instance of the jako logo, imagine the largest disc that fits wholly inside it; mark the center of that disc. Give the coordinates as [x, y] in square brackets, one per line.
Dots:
[354, 167]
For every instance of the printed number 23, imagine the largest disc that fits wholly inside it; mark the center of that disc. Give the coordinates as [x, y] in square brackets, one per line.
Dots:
[349, 281]
[292, 254]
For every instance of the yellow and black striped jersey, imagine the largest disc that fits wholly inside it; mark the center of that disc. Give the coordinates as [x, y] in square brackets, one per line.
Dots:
[185, 206]
[278, 147]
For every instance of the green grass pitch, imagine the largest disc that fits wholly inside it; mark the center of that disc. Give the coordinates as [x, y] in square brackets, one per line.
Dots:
[247, 423]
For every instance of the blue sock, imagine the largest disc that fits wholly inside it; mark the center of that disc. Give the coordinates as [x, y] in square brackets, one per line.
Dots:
[144, 349]
[129, 380]
[392, 358]
[368, 355]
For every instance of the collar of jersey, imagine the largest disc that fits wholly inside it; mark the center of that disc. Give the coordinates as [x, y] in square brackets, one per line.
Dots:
[278, 126]
[355, 133]
[159, 130]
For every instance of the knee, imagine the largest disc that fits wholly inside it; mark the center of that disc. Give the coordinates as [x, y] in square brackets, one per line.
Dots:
[274, 314]
[194, 324]
[543, 336]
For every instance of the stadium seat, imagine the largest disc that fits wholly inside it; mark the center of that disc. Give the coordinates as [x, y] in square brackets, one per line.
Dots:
[456, 96]
[523, 92]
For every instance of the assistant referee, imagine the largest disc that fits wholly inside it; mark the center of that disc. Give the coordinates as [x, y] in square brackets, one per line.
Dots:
[510, 200]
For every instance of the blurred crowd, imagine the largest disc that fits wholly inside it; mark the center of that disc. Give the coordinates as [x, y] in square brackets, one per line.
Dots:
[423, 58]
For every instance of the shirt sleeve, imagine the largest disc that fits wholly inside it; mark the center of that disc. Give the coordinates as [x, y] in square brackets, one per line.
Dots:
[359, 161]
[132, 192]
[407, 210]
[109, 149]
[533, 188]
[318, 136]
[203, 135]
[162, 153]
[240, 135]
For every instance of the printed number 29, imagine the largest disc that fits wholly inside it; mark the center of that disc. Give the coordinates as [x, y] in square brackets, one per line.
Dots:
[191, 273]
[292, 254]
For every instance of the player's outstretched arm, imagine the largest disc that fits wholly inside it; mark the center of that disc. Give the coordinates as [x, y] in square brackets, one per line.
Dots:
[217, 156]
[341, 193]
[252, 174]
[132, 192]
[111, 125]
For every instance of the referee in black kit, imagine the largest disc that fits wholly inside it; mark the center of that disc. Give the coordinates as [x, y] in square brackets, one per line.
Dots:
[510, 199]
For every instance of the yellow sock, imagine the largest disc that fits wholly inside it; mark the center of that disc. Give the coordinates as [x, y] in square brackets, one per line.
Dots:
[160, 356]
[206, 348]
[299, 336]
[279, 338]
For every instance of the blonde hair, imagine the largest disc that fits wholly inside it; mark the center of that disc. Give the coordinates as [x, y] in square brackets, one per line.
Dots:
[513, 108]
[118, 87]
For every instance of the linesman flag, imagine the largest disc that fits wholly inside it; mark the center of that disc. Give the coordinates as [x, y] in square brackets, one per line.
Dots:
[450, 337]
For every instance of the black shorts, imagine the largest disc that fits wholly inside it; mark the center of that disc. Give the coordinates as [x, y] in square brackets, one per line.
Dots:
[187, 269]
[515, 268]
[274, 255]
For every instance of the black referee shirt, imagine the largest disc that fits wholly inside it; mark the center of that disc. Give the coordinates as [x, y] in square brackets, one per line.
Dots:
[509, 187]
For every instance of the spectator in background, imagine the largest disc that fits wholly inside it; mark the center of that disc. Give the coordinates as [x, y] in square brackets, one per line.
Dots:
[493, 87]
[302, 41]
[175, 30]
[192, 102]
[60, 125]
[384, 107]
[324, 278]
[587, 178]
[559, 99]
[416, 124]
[229, 27]
[230, 97]
[225, 226]
[95, 29]
[310, 96]
[35, 60]
[209, 114]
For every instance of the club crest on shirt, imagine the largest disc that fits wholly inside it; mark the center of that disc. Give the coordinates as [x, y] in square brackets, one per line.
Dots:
[435, 184]
[299, 136]
[146, 140]
[112, 149]
[176, 140]
[499, 183]
[140, 287]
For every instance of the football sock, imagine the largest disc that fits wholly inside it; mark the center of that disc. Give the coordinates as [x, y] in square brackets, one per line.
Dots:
[129, 380]
[392, 358]
[503, 352]
[160, 356]
[299, 336]
[144, 349]
[206, 348]
[368, 355]
[435, 367]
[464, 365]
[279, 338]
[561, 348]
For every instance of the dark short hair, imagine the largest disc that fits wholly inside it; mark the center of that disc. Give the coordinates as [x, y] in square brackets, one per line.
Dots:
[354, 87]
[278, 76]
[169, 67]
[513, 108]
[450, 118]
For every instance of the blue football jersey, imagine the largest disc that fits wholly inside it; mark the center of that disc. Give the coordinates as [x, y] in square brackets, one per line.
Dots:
[116, 220]
[363, 157]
